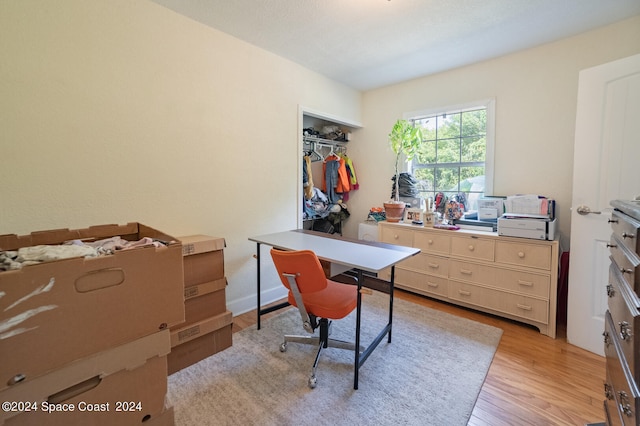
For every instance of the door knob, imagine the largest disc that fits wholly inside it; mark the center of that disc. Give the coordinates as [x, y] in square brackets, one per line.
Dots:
[585, 210]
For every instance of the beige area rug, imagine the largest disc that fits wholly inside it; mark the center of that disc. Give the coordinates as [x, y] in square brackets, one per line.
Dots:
[430, 374]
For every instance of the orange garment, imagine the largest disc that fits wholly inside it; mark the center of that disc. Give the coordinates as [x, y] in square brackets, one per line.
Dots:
[344, 184]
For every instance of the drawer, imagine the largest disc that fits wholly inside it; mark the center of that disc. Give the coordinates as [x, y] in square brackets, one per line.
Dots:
[626, 261]
[435, 265]
[626, 229]
[396, 235]
[427, 263]
[611, 414]
[471, 272]
[624, 391]
[523, 254]
[473, 247]
[509, 303]
[422, 283]
[434, 241]
[624, 308]
[524, 282]
[529, 284]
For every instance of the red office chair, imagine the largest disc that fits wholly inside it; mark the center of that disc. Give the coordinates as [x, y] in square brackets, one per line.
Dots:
[317, 298]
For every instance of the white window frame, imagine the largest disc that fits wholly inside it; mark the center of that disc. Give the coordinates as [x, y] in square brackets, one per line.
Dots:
[490, 105]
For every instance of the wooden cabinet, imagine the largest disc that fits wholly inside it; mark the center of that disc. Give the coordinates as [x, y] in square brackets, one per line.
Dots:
[514, 278]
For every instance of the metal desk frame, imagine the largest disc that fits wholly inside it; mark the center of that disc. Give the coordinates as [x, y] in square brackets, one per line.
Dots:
[360, 256]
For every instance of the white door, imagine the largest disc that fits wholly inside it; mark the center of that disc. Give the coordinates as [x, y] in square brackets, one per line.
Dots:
[606, 166]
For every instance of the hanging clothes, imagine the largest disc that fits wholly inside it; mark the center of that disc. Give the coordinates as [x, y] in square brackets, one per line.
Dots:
[330, 169]
[307, 177]
[351, 171]
[344, 185]
[336, 183]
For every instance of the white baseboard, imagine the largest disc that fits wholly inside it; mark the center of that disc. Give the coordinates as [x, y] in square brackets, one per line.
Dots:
[248, 303]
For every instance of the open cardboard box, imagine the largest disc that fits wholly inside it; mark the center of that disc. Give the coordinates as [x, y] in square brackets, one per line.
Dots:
[56, 312]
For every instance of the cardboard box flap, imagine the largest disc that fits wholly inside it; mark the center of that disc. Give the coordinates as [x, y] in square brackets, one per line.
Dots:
[194, 244]
[200, 328]
[131, 231]
[204, 288]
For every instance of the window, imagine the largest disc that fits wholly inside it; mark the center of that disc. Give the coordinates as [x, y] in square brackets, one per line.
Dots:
[456, 156]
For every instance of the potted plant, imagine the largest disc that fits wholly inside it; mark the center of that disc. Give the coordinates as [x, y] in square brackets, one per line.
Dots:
[404, 139]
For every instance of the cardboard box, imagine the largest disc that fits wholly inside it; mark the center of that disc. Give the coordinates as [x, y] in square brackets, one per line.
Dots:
[100, 378]
[203, 259]
[56, 312]
[202, 307]
[124, 398]
[209, 300]
[205, 288]
[191, 332]
[202, 347]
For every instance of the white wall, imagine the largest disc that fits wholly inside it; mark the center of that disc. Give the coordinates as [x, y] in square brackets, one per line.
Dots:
[535, 92]
[117, 111]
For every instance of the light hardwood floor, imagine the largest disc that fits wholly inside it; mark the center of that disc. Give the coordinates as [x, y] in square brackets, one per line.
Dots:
[533, 379]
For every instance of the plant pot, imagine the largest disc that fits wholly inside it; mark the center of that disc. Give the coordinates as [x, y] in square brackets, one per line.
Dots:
[394, 211]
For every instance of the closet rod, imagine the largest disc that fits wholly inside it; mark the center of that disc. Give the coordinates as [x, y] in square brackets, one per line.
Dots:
[314, 146]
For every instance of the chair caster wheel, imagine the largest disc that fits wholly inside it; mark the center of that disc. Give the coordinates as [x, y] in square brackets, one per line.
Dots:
[283, 347]
[313, 382]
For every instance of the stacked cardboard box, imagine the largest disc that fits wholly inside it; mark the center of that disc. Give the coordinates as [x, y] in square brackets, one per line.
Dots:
[207, 326]
[85, 340]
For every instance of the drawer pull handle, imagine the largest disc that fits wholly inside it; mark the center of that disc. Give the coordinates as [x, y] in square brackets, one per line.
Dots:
[626, 271]
[524, 307]
[433, 265]
[625, 330]
[610, 290]
[432, 285]
[525, 283]
[465, 272]
[624, 404]
[625, 235]
[471, 248]
[430, 242]
[608, 391]
[395, 236]
[607, 339]
[464, 293]
[611, 245]
[521, 255]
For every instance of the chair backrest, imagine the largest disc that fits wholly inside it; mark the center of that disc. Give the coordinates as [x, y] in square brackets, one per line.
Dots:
[310, 276]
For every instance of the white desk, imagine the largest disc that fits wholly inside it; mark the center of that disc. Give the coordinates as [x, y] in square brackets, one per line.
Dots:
[358, 255]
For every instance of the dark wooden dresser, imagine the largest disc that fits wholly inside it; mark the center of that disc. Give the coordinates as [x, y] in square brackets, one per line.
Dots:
[621, 388]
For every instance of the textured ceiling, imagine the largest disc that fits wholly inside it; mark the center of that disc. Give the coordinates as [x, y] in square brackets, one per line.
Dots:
[371, 43]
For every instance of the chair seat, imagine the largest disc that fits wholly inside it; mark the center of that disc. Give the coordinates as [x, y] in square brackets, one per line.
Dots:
[336, 301]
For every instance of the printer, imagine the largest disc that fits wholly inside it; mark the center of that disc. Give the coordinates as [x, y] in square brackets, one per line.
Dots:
[535, 226]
